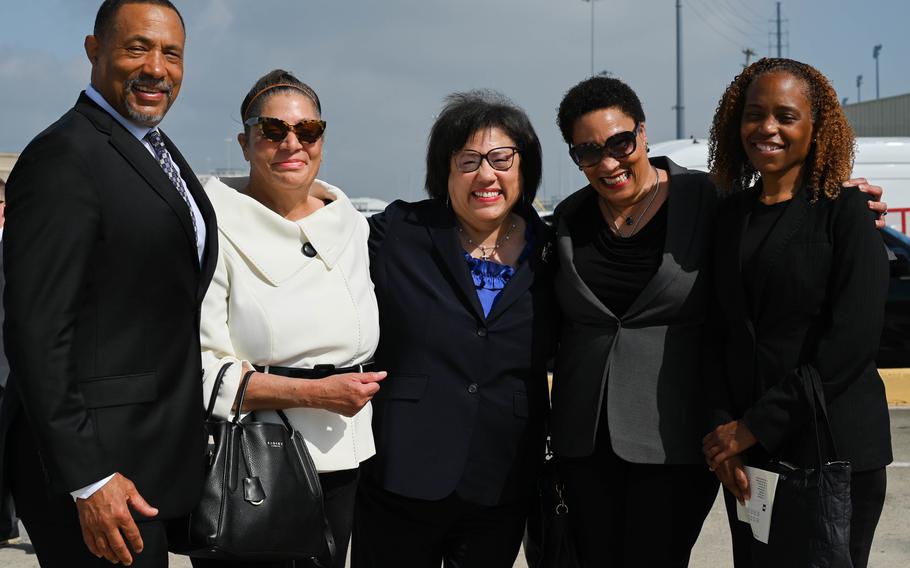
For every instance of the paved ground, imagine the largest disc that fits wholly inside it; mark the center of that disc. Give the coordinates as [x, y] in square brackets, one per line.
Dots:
[891, 548]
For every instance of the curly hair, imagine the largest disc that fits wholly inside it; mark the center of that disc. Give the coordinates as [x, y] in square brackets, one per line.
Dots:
[830, 158]
[595, 93]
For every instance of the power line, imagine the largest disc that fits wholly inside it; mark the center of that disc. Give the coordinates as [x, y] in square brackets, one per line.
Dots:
[751, 28]
[748, 7]
[737, 42]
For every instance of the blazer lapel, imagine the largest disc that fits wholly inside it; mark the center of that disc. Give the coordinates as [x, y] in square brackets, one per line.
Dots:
[731, 231]
[566, 253]
[445, 240]
[136, 154]
[525, 274]
[682, 218]
[786, 227]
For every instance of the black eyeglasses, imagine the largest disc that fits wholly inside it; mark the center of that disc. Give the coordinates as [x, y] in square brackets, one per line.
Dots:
[617, 146]
[276, 130]
[500, 159]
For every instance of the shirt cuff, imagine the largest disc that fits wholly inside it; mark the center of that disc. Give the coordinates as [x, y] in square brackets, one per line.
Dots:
[89, 490]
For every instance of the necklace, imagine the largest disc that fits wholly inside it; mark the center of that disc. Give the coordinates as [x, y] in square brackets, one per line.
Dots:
[629, 220]
[487, 250]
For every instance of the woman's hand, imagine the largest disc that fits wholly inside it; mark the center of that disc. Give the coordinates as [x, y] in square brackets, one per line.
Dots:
[725, 442]
[344, 394]
[876, 193]
[732, 474]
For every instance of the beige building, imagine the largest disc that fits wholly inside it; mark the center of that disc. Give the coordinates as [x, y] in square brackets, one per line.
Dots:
[7, 161]
[888, 116]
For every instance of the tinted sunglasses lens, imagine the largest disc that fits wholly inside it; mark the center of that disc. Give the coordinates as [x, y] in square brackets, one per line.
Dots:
[309, 130]
[586, 155]
[273, 129]
[620, 145]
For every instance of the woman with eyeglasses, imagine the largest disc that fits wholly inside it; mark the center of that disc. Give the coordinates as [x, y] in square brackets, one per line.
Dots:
[291, 303]
[628, 408]
[463, 281]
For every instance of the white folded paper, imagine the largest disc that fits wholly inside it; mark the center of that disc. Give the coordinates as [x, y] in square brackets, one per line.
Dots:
[757, 509]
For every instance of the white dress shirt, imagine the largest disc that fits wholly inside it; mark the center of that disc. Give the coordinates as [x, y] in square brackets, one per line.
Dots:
[140, 132]
[270, 304]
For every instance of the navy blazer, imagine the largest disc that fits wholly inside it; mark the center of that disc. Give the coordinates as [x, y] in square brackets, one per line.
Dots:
[103, 291]
[462, 409]
[819, 300]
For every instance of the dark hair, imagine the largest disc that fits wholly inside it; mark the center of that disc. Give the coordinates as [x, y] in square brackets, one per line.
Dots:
[277, 81]
[595, 93]
[830, 158]
[472, 111]
[104, 20]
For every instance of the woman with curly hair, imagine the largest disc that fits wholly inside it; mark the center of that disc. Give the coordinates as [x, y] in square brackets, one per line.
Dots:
[801, 278]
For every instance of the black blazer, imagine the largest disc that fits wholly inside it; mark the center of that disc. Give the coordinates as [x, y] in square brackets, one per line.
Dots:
[463, 406]
[103, 290]
[648, 363]
[819, 300]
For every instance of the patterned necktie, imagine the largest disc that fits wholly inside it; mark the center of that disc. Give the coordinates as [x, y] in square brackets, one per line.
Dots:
[164, 160]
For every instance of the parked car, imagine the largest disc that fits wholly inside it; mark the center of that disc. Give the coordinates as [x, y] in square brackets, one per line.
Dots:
[894, 350]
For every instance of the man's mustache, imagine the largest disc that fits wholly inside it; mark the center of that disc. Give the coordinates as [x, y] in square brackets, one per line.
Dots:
[150, 83]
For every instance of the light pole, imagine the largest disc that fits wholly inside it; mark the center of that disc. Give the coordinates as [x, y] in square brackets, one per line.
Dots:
[680, 108]
[859, 84]
[591, 2]
[875, 51]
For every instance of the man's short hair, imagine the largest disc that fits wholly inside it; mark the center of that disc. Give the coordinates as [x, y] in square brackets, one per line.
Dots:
[104, 20]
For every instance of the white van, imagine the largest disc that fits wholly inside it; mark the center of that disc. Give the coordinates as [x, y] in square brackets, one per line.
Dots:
[882, 161]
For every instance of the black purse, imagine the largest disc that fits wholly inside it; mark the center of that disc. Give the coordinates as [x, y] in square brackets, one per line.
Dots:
[261, 498]
[810, 519]
[548, 542]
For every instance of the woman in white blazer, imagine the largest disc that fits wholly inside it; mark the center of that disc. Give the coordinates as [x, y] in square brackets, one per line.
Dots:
[291, 298]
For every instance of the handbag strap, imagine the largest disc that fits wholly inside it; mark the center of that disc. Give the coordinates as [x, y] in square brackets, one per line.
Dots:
[219, 378]
[815, 394]
[244, 383]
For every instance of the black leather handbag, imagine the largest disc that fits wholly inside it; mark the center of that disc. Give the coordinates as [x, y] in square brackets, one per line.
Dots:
[548, 542]
[810, 519]
[261, 499]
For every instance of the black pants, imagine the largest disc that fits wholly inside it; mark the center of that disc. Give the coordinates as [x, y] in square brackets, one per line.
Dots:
[9, 524]
[338, 489]
[400, 532]
[624, 514]
[867, 495]
[51, 519]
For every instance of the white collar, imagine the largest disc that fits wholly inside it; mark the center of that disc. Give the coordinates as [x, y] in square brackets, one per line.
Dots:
[254, 229]
[137, 130]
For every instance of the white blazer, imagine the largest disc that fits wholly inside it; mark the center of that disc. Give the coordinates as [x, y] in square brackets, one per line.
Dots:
[269, 304]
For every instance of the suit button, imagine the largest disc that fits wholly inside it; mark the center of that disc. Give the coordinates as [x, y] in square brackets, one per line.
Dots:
[472, 388]
[482, 331]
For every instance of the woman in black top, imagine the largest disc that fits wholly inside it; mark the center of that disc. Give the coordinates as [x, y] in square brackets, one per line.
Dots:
[628, 409]
[801, 280]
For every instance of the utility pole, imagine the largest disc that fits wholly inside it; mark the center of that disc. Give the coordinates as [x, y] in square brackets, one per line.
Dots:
[749, 53]
[859, 84]
[592, 34]
[875, 51]
[779, 42]
[680, 115]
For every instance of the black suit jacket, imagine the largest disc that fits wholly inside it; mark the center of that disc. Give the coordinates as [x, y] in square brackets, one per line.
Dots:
[646, 364]
[103, 290]
[462, 409]
[819, 301]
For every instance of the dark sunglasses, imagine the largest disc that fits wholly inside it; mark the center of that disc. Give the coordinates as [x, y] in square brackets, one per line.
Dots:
[617, 146]
[500, 159]
[276, 130]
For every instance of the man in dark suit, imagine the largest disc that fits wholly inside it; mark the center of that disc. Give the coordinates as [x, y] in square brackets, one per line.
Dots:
[109, 246]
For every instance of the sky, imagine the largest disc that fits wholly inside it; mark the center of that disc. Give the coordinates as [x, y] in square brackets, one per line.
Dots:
[383, 67]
